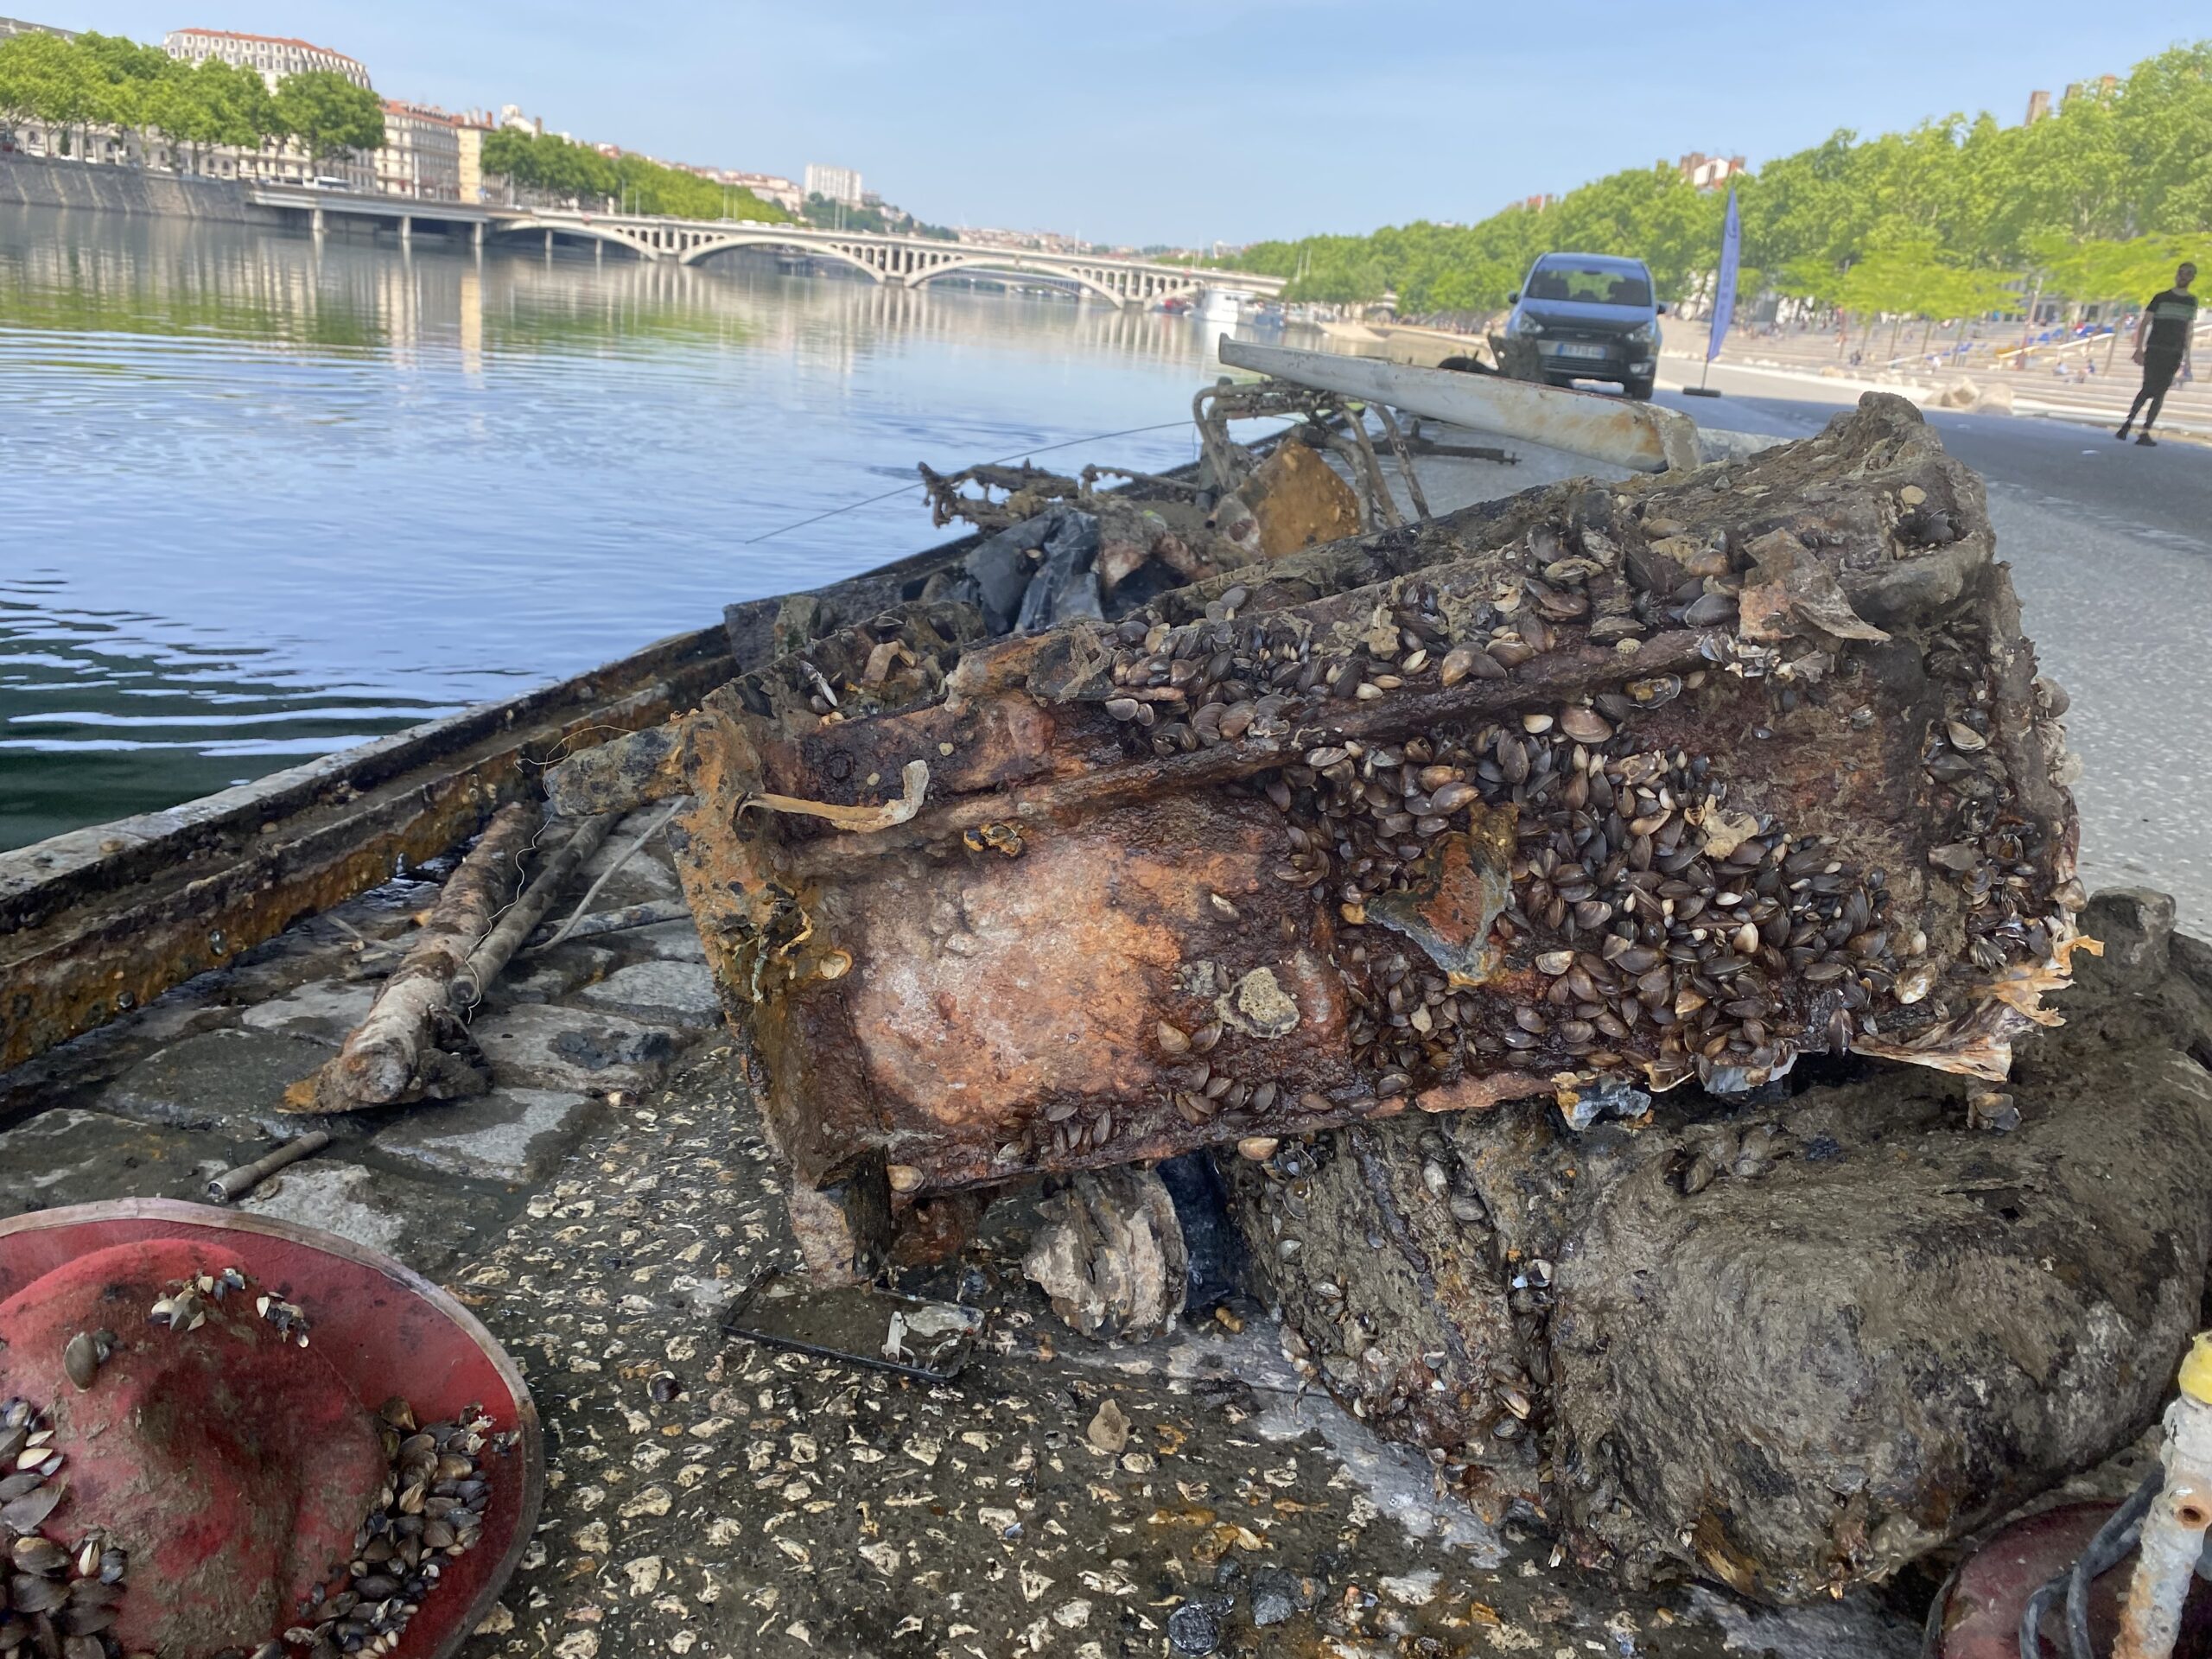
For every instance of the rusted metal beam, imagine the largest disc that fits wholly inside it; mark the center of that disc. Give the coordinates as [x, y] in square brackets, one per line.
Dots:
[1604, 785]
[98, 921]
[1640, 437]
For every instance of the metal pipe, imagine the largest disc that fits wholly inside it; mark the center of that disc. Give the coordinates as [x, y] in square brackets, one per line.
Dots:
[520, 919]
[652, 914]
[1636, 435]
[235, 1184]
[2173, 1532]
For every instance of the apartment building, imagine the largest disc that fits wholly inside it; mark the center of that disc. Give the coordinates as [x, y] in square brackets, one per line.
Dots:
[422, 154]
[274, 56]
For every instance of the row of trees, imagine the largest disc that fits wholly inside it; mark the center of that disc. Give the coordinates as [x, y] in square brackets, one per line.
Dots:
[555, 167]
[2090, 205]
[73, 85]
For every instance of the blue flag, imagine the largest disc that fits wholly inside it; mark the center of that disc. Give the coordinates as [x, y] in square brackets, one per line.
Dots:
[1724, 283]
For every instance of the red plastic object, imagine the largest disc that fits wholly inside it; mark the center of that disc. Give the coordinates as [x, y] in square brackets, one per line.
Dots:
[379, 1330]
[1983, 1620]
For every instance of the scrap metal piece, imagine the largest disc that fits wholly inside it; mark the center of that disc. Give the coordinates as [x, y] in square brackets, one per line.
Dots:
[234, 1183]
[1637, 435]
[858, 1324]
[1238, 913]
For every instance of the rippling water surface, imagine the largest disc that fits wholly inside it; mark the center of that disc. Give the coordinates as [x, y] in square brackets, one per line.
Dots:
[261, 499]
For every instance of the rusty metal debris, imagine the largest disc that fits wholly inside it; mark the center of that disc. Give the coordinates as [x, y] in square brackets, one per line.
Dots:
[234, 1183]
[1597, 785]
[1243, 502]
[97, 922]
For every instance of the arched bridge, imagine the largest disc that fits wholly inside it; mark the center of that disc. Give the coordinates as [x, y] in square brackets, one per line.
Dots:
[899, 261]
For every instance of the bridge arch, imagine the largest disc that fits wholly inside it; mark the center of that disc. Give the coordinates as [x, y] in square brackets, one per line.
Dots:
[1009, 268]
[692, 256]
[605, 234]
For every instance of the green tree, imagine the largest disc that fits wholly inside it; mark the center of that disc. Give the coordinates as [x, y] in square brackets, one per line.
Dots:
[121, 81]
[45, 78]
[1840, 222]
[2164, 119]
[328, 114]
[555, 167]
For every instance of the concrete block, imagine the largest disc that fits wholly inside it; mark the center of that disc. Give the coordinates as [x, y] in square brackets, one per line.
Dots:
[325, 1010]
[660, 993]
[514, 1135]
[232, 1080]
[647, 876]
[70, 1156]
[550, 977]
[427, 1227]
[677, 941]
[537, 1045]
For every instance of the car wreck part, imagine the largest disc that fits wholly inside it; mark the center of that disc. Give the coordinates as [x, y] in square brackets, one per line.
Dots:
[1597, 785]
[859, 1325]
[1640, 437]
[234, 1183]
[2172, 1536]
[1329, 421]
[99, 921]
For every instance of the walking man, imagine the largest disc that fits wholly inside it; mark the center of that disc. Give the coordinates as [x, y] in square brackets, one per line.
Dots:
[2162, 337]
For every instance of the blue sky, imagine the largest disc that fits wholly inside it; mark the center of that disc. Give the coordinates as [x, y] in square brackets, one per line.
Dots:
[1185, 123]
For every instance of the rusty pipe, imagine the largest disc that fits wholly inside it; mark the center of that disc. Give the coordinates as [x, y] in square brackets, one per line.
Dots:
[2174, 1530]
[233, 1184]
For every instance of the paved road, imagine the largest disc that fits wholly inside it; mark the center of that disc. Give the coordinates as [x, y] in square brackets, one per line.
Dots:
[2111, 547]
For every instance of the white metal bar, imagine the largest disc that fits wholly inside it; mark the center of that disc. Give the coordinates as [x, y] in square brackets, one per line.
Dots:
[1636, 436]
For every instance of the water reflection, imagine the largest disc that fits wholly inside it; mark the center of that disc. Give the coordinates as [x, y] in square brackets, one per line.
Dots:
[268, 497]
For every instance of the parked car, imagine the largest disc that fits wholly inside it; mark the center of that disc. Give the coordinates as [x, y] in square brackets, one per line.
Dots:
[1593, 318]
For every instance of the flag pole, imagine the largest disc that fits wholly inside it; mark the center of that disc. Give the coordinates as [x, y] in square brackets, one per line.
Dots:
[1724, 299]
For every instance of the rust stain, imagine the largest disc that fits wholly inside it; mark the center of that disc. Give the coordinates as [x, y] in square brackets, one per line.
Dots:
[1459, 888]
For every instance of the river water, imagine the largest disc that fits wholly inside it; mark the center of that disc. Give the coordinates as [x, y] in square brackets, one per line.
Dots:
[261, 499]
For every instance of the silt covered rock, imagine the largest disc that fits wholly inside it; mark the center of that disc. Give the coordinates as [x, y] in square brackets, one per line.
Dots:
[1791, 1343]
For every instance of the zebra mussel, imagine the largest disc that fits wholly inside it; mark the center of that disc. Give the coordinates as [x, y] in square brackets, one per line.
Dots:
[430, 1511]
[57, 1599]
[1677, 937]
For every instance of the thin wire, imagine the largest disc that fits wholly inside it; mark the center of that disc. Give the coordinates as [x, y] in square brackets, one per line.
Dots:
[1019, 454]
[606, 875]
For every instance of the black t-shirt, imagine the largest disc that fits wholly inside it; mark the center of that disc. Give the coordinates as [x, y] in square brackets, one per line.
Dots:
[2173, 313]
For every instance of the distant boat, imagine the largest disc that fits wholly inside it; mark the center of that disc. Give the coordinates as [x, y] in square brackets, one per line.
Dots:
[1223, 304]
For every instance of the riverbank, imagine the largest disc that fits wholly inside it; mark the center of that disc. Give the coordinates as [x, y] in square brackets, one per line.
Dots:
[52, 181]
